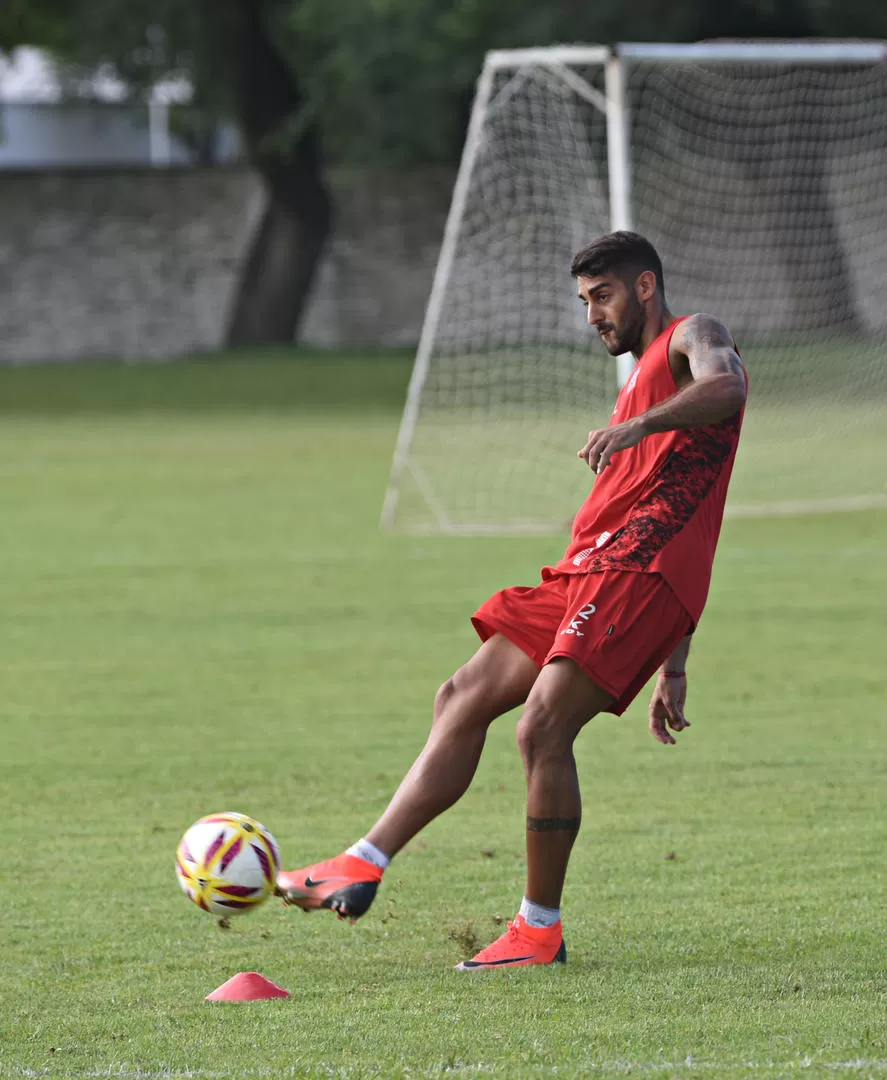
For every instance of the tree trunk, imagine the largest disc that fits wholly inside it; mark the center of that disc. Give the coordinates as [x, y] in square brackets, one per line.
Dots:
[276, 277]
[287, 246]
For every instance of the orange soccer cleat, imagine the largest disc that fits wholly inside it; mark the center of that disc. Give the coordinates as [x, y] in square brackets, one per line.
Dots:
[520, 946]
[345, 884]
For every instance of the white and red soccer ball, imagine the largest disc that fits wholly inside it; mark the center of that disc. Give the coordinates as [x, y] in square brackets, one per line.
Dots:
[227, 863]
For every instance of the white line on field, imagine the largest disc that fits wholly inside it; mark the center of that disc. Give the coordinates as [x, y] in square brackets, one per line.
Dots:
[804, 507]
[323, 1069]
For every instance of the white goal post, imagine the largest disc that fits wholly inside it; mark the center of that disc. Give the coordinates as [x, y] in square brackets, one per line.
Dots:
[759, 170]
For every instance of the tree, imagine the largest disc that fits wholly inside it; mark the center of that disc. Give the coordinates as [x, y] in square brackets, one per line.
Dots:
[230, 52]
[394, 81]
[284, 145]
[379, 82]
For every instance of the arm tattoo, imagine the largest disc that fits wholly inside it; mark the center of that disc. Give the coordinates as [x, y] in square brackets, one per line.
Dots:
[552, 824]
[709, 347]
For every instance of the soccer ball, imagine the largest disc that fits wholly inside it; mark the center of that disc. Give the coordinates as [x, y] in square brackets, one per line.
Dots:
[227, 863]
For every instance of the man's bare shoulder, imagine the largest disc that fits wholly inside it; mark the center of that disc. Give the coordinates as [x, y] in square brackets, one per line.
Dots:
[702, 345]
[702, 331]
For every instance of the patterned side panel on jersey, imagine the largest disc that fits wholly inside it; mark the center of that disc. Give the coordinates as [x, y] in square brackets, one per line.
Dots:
[675, 495]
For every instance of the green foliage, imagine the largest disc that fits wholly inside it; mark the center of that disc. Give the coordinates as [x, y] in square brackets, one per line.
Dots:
[33, 22]
[391, 81]
[199, 613]
[848, 18]
[142, 40]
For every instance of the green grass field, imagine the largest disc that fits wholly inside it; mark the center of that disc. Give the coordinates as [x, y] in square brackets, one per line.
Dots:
[199, 614]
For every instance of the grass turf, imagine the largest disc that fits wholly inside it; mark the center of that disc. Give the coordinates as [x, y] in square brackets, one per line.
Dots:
[200, 614]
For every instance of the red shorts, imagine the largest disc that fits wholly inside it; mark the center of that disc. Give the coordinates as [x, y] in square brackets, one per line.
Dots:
[617, 626]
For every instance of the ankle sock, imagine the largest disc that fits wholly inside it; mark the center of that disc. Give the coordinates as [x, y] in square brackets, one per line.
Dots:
[363, 849]
[537, 915]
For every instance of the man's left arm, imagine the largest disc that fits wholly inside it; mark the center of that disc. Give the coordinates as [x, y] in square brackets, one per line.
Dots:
[711, 386]
[670, 694]
[709, 375]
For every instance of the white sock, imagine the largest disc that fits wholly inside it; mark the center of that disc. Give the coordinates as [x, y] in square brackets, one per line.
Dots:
[537, 915]
[363, 849]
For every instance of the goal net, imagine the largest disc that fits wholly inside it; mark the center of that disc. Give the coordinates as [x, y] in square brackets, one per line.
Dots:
[760, 174]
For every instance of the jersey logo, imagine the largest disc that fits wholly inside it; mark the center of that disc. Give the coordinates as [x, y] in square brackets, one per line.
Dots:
[583, 555]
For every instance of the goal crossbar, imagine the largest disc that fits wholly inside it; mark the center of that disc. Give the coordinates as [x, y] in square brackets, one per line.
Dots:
[763, 52]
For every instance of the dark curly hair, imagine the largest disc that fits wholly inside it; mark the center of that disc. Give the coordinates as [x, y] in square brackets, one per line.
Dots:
[625, 254]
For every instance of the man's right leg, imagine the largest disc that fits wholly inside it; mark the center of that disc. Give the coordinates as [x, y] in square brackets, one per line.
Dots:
[495, 680]
[498, 678]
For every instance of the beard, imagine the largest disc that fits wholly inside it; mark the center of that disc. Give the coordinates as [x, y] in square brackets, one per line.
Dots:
[615, 345]
[627, 336]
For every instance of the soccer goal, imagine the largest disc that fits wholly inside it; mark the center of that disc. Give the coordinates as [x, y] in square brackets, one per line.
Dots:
[760, 173]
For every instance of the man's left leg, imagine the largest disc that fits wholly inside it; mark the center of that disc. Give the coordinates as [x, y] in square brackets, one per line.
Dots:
[562, 701]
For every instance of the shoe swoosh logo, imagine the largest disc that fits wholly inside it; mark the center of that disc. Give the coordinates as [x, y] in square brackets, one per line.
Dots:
[311, 884]
[508, 960]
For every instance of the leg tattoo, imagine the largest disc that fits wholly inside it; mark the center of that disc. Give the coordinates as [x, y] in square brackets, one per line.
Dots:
[553, 824]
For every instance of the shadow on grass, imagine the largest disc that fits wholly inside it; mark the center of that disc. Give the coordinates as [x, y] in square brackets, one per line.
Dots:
[270, 380]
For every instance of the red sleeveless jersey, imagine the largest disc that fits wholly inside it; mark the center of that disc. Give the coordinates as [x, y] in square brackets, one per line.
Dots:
[657, 507]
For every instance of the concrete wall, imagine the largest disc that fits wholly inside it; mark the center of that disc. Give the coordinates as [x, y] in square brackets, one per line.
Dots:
[143, 263]
[373, 285]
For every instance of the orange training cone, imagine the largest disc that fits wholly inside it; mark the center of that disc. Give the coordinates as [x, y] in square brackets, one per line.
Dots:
[247, 986]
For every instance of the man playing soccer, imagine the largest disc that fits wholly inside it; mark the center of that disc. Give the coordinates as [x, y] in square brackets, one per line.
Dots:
[619, 607]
